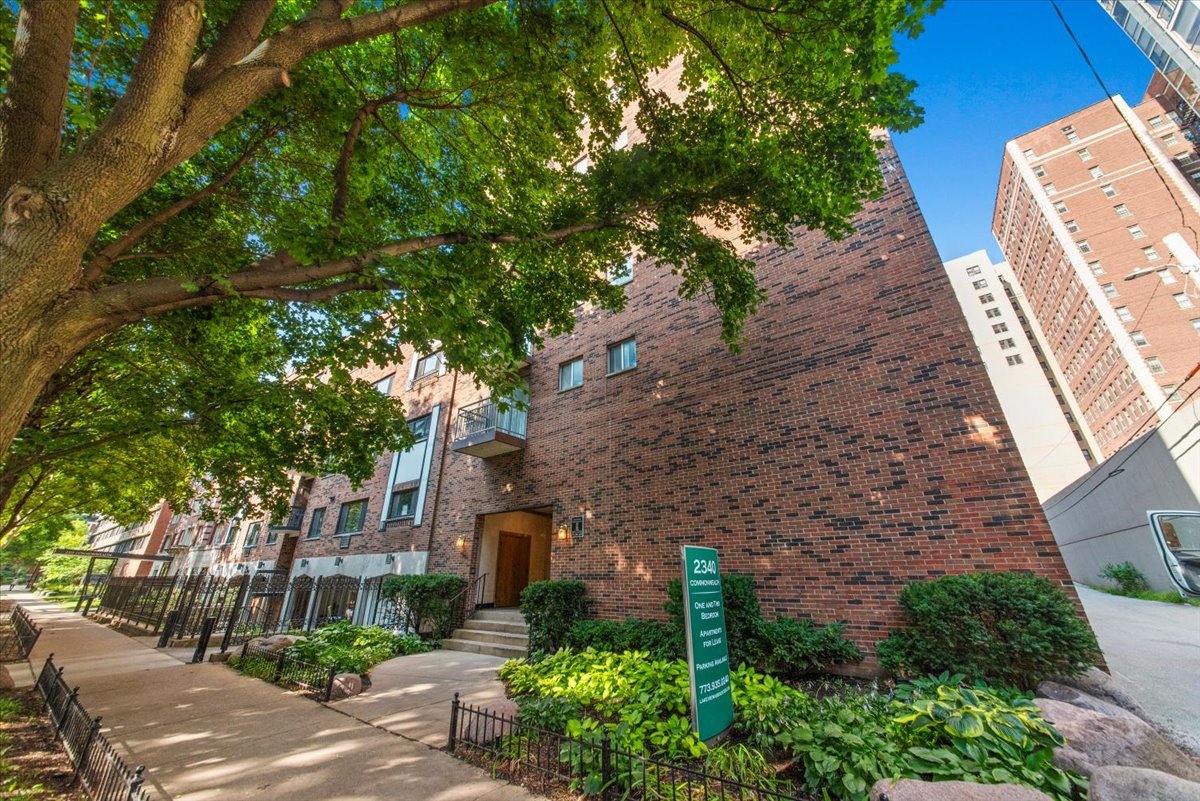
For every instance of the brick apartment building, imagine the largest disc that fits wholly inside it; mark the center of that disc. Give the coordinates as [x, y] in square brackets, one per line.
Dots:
[1084, 203]
[854, 445]
[146, 537]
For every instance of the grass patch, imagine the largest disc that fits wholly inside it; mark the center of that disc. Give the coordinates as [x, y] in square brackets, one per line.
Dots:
[1149, 595]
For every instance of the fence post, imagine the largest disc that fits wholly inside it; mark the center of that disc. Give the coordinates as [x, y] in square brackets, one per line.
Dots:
[93, 730]
[168, 628]
[206, 630]
[278, 667]
[605, 765]
[329, 683]
[88, 606]
[453, 724]
[136, 782]
[229, 626]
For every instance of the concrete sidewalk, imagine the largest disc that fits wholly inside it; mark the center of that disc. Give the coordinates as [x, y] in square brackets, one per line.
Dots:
[205, 732]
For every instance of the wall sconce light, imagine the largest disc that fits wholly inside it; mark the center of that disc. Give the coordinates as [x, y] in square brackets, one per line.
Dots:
[390, 559]
[461, 543]
[303, 563]
[337, 561]
[563, 533]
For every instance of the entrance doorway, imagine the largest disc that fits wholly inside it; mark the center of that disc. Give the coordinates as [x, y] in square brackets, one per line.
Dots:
[515, 551]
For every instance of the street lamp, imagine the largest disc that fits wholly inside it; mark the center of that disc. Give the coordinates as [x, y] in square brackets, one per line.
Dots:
[1185, 258]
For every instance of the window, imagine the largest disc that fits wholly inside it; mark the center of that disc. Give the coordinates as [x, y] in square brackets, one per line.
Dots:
[419, 428]
[570, 375]
[1196, 325]
[1060, 207]
[622, 356]
[993, 312]
[231, 532]
[1096, 172]
[1069, 130]
[1110, 290]
[403, 503]
[1136, 232]
[384, 385]
[1030, 155]
[621, 141]
[1039, 171]
[988, 298]
[1195, 176]
[252, 535]
[1109, 190]
[1084, 154]
[1124, 314]
[1170, 139]
[1150, 253]
[1155, 365]
[999, 328]
[1185, 158]
[1167, 276]
[1007, 344]
[1096, 267]
[351, 517]
[315, 524]
[621, 273]
[980, 284]
[272, 536]
[1172, 394]
[427, 366]
[1050, 190]
[1014, 359]
[582, 165]
[976, 270]
[1139, 338]
[1122, 210]
[1072, 226]
[1183, 300]
[1157, 122]
[1084, 247]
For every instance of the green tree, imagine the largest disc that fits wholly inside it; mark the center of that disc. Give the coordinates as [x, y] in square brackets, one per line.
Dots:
[380, 172]
[63, 573]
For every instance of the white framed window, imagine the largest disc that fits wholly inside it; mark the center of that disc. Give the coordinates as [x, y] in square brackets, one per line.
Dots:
[1096, 172]
[1195, 176]
[570, 375]
[1136, 232]
[1029, 154]
[1185, 158]
[1109, 190]
[1167, 276]
[1039, 171]
[1155, 365]
[1084, 154]
[988, 298]
[1014, 359]
[1060, 207]
[1170, 139]
[1122, 210]
[999, 328]
[622, 141]
[980, 284]
[1072, 226]
[1050, 189]
[992, 312]
[1124, 314]
[403, 503]
[1139, 338]
[1096, 267]
[1183, 300]
[1196, 325]
[621, 273]
[1110, 290]
[622, 356]
[384, 385]
[1172, 394]
[1007, 344]
[582, 166]
[975, 270]
[428, 365]
[1150, 253]
[252, 535]
[1157, 122]
[1084, 247]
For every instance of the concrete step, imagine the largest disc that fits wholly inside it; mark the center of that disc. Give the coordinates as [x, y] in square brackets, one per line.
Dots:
[503, 626]
[499, 638]
[507, 615]
[489, 648]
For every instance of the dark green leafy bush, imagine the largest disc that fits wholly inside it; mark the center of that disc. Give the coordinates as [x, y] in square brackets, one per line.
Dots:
[1003, 628]
[427, 601]
[1127, 577]
[354, 649]
[742, 613]
[551, 608]
[794, 648]
[660, 640]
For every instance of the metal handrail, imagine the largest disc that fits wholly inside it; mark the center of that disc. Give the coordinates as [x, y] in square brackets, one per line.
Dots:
[459, 602]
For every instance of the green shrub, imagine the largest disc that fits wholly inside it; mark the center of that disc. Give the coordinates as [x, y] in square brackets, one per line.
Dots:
[427, 601]
[743, 615]
[764, 708]
[796, 647]
[1127, 577]
[1003, 628]
[551, 608]
[660, 640]
[354, 649]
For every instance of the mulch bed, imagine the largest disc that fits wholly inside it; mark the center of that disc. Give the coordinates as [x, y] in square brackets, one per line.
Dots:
[32, 763]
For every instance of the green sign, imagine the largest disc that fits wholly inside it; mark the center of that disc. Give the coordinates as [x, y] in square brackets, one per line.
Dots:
[707, 643]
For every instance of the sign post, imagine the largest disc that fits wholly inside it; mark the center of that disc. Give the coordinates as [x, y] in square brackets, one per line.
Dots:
[707, 643]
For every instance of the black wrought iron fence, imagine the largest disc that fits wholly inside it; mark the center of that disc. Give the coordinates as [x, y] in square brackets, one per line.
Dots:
[596, 767]
[22, 633]
[279, 668]
[98, 768]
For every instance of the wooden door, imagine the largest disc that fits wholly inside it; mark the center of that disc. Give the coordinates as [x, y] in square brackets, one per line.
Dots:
[512, 568]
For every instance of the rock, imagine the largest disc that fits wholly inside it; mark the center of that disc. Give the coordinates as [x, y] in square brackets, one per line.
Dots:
[1076, 697]
[1095, 740]
[221, 656]
[6, 681]
[1119, 783]
[914, 790]
[1097, 683]
[279, 642]
[346, 685]
[256, 642]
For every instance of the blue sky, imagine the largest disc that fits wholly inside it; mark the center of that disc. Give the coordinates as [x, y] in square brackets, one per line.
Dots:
[988, 71]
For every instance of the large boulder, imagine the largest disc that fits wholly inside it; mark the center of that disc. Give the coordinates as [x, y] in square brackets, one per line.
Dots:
[914, 790]
[1119, 783]
[1095, 740]
[1076, 697]
[346, 685]
[279, 642]
[1095, 682]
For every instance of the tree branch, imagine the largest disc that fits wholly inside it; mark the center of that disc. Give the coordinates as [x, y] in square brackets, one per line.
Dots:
[236, 39]
[32, 111]
[734, 79]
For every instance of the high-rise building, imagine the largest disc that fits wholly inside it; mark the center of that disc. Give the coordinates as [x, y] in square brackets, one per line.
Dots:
[1087, 212]
[1168, 32]
[1031, 389]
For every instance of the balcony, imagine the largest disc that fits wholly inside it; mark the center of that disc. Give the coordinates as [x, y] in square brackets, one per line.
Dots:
[292, 521]
[483, 430]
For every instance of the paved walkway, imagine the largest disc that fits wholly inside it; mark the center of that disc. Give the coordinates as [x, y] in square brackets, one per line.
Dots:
[1152, 650]
[205, 732]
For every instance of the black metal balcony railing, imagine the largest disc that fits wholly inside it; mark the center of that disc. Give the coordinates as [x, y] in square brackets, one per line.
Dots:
[483, 429]
[292, 521]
